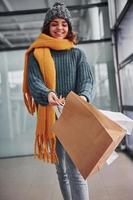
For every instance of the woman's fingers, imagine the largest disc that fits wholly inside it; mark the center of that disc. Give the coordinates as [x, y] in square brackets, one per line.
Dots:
[53, 99]
[83, 97]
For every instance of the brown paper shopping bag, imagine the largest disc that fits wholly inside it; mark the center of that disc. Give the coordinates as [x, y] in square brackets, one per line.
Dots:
[87, 135]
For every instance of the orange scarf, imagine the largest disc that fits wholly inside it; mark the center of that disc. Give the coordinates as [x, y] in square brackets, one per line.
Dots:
[45, 141]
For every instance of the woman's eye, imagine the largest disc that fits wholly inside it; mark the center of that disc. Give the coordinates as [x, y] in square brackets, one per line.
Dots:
[53, 24]
[64, 25]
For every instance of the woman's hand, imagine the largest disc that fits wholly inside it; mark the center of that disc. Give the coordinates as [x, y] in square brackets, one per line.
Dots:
[53, 99]
[83, 97]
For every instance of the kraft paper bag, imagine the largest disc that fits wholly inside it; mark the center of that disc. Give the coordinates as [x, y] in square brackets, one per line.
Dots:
[88, 136]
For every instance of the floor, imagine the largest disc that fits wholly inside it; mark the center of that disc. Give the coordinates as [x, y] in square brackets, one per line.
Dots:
[28, 179]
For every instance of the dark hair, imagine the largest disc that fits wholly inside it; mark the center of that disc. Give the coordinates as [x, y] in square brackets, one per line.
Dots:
[72, 36]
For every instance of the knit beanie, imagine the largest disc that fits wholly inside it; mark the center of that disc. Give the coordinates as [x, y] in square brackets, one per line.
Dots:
[58, 10]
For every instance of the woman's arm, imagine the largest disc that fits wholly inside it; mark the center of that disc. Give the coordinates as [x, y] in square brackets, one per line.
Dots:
[37, 86]
[85, 80]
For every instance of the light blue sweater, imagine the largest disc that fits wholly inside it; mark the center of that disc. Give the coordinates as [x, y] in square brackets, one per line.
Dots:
[73, 73]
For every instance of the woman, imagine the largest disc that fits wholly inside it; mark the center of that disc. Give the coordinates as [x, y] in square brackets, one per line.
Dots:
[53, 68]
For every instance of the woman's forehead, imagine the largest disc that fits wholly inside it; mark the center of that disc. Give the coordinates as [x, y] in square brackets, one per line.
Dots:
[58, 20]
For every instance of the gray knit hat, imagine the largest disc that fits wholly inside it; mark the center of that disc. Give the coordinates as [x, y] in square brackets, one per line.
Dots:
[58, 10]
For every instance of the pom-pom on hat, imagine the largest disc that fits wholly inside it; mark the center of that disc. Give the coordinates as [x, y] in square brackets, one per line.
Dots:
[59, 10]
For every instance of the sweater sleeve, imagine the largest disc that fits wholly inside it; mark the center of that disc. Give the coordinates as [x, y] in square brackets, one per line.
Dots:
[85, 79]
[37, 87]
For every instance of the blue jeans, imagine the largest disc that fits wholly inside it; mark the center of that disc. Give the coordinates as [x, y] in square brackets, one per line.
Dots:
[72, 184]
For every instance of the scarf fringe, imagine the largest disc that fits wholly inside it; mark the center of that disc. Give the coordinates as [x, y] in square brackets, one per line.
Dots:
[45, 151]
[29, 103]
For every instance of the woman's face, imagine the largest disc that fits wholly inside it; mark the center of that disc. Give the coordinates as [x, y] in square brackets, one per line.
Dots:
[58, 28]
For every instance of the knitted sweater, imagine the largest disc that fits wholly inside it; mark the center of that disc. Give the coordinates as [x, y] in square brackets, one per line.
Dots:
[73, 73]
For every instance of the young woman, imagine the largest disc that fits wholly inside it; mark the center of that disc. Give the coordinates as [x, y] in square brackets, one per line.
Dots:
[53, 68]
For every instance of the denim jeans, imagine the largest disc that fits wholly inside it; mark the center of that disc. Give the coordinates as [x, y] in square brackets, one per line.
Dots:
[72, 184]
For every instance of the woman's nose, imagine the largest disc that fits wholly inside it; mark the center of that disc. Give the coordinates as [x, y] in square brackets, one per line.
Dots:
[59, 26]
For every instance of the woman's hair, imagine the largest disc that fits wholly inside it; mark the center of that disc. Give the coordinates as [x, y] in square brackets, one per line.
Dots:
[72, 36]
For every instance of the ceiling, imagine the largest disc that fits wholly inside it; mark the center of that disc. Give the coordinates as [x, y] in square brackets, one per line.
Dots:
[21, 21]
